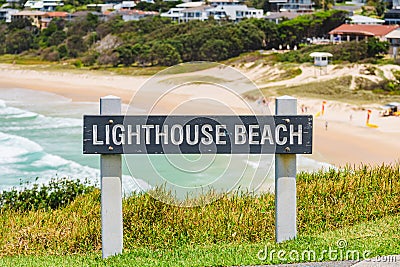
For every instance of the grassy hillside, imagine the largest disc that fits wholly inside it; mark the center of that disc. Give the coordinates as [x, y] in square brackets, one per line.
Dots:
[337, 89]
[359, 205]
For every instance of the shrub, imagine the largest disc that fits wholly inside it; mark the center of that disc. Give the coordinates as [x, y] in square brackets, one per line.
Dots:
[57, 193]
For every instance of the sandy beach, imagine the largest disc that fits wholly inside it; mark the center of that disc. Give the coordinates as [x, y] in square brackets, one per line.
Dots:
[345, 140]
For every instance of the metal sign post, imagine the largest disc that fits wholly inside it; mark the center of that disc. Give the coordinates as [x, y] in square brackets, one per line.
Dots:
[111, 189]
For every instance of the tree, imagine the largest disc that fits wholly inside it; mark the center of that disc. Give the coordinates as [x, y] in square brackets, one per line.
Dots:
[20, 23]
[376, 48]
[75, 45]
[214, 50]
[125, 55]
[18, 41]
[251, 36]
[164, 54]
[56, 38]
[62, 51]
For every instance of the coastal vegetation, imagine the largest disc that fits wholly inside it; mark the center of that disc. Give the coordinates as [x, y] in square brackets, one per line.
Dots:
[360, 205]
[89, 41]
[361, 52]
[339, 89]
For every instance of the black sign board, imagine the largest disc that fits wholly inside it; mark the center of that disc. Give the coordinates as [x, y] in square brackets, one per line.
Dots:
[103, 134]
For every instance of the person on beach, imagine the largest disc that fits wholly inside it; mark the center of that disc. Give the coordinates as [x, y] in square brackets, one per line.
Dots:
[326, 125]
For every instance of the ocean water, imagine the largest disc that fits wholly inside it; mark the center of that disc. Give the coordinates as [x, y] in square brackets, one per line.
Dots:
[41, 138]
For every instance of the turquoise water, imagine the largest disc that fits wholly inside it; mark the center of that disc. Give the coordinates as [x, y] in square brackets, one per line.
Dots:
[41, 136]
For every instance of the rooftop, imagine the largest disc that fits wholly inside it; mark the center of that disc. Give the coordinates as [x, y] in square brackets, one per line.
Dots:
[57, 14]
[321, 54]
[394, 34]
[365, 29]
[284, 14]
[30, 13]
[358, 19]
[191, 4]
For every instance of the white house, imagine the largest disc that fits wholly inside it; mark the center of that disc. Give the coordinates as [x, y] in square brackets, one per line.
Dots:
[6, 13]
[224, 2]
[190, 4]
[189, 11]
[125, 5]
[195, 13]
[175, 14]
[300, 6]
[100, 7]
[134, 14]
[43, 5]
[358, 19]
[235, 12]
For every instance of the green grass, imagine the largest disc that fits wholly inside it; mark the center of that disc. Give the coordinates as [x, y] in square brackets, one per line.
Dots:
[35, 63]
[374, 238]
[24, 60]
[360, 205]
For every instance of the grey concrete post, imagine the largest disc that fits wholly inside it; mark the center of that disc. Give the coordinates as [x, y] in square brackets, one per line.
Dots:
[111, 190]
[285, 181]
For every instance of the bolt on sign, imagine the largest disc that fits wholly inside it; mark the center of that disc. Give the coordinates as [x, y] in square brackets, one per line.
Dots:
[197, 134]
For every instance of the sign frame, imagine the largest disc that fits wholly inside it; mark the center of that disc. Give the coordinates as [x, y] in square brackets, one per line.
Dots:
[113, 134]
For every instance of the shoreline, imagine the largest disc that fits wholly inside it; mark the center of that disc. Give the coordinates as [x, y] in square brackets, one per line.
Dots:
[346, 141]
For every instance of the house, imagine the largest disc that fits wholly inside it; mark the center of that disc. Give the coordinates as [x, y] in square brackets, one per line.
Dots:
[392, 16]
[83, 14]
[358, 19]
[43, 5]
[6, 13]
[277, 17]
[224, 2]
[189, 11]
[234, 12]
[101, 8]
[125, 5]
[57, 14]
[395, 4]
[175, 14]
[393, 38]
[299, 6]
[135, 14]
[195, 13]
[350, 32]
[190, 4]
[52, 15]
[35, 16]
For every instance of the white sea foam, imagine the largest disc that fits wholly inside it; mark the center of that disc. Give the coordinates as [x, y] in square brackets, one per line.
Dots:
[13, 147]
[34, 121]
[23, 158]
